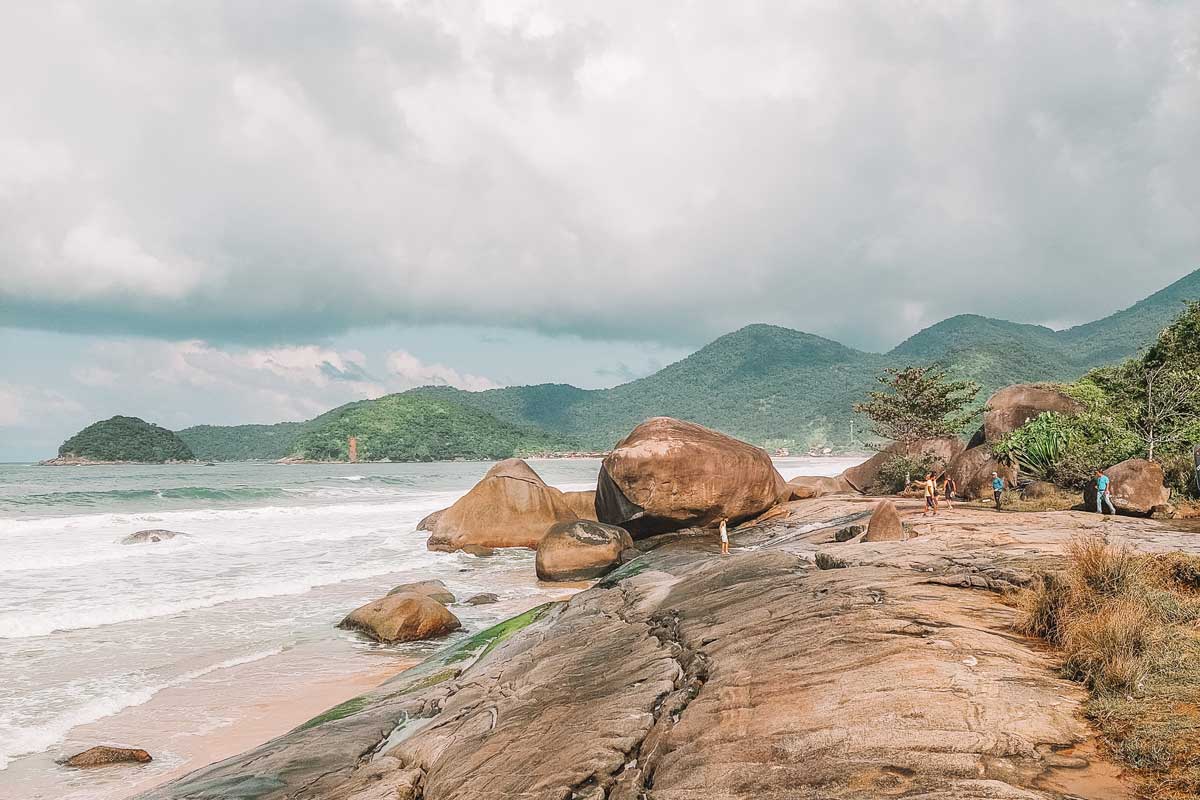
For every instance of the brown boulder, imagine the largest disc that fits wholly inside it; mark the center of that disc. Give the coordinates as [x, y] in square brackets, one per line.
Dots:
[1039, 490]
[580, 550]
[667, 474]
[972, 472]
[483, 599]
[429, 521]
[103, 756]
[582, 503]
[1136, 488]
[433, 589]
[1013, 406]
[885, 524]
[943, 449]
[805, 486]
[510, 507]
[403, 617]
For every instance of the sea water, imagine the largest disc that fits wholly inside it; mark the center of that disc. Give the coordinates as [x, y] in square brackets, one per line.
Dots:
[199, 646]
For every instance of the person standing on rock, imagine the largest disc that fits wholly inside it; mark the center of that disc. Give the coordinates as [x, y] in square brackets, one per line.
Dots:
[951, 487]
[997, 488]
[724, 538]
[931, 501]
[1103, 495]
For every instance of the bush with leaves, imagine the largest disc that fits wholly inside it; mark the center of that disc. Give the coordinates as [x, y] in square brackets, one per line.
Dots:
[919, 403]
[895, 473]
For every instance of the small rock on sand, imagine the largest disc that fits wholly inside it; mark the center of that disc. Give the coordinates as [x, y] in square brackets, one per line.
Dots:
[102, 756]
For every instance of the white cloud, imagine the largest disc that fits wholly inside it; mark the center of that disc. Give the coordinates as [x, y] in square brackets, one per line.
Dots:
[412, 372]
[33, 406]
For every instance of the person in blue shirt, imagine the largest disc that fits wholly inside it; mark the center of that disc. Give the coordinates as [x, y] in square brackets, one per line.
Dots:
[997, 488]
[1103, 493]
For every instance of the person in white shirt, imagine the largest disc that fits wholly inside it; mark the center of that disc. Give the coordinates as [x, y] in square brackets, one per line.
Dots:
[724, 538]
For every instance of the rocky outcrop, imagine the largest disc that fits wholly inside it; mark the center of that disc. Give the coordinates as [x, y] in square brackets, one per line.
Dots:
[510, 507]
[972, 472]
[1038, 490]
[668, 474]
[433, 589]
[150, 536]
[1013, 406]
[1136, 488]
[582, 503]
[403, 617]
[942, 450]
[429, 521]
[103, 756]
[580, 550]
[805, 487]
[482, 599]
[885, 524]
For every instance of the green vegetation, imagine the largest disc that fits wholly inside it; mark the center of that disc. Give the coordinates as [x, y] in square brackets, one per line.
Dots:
[415, 427]
[919, 403]
[1146, 407]
[484, 642]
[242, 442]
[1126, 627]
[126, 439]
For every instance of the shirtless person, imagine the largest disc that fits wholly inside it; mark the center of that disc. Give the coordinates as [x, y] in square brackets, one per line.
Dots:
[951, 487]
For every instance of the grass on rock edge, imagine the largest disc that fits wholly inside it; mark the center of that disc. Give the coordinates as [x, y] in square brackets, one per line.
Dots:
[1127, 626]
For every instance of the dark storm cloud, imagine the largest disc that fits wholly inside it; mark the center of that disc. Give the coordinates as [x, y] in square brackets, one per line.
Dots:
[275, 172]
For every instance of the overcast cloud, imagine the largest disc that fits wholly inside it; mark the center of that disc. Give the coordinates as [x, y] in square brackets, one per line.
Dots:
[667, 171]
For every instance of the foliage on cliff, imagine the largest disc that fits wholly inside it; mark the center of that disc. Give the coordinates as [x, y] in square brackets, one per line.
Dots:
[242, 442]
[126, 439]
[414, 427]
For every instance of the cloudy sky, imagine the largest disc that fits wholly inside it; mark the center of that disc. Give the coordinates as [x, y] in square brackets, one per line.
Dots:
[245, 212]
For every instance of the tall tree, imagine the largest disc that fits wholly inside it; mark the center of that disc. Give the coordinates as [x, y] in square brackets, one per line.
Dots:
[919, 403]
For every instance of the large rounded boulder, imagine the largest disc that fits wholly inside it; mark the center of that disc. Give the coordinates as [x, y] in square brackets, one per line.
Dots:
[972, 472]
[403, 617]
[804, 487]
[582, 503]
[942, 450]
[1136, 487]
[1014, 406]
[510, 507]
[580, 550]
[668, 474]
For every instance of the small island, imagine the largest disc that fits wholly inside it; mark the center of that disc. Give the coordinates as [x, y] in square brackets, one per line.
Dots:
[122, 440]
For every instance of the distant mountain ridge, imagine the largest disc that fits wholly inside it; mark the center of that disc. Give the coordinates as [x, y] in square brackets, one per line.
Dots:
[773, 386]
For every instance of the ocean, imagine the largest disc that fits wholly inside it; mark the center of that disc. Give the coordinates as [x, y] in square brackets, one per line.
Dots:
[212, 642]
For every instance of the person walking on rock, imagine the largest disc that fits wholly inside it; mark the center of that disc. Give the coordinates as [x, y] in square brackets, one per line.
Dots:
[724, 538]
[951, 487]
[931, 501]
[997, 488]
[1103, 496]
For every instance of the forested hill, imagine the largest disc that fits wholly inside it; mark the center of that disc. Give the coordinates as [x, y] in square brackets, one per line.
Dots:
[770, 385]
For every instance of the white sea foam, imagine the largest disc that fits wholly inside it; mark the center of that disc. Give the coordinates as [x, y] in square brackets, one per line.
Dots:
[17, 741]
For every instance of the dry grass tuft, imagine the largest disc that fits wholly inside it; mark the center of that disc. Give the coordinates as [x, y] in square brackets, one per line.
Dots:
[1126, 626]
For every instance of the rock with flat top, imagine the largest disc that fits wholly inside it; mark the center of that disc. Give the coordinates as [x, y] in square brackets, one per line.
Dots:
[103, 756]
[804, 487]
[433, 589]
[483, 599]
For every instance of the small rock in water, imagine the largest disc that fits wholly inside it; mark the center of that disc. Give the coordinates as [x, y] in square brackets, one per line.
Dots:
[483, 599]
[478, 550]
[433, 589]
[153, 535]
[102, 756]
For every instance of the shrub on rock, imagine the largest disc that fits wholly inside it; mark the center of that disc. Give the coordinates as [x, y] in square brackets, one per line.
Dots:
[668, 474]
[510, 507]
[403, 617]
[580, 550]
[933, 454]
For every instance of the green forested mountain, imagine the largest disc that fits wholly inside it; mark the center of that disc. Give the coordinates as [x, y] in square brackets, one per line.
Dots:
[417, 427]
[766, 384]
[125, 439]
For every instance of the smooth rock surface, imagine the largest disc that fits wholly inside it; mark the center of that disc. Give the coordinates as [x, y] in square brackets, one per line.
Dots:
[482, 599]
[103, 756]
[1013, 406]
[580, 550]
[668, 474]
[403, 617]
[429, 521]
[510, 507]
[1136, 488]
[885, 524]
[582, 503]
[433, 589]
[804, 487]
[972, 472]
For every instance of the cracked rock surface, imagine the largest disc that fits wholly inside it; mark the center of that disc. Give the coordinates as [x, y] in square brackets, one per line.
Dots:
[685, 675]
